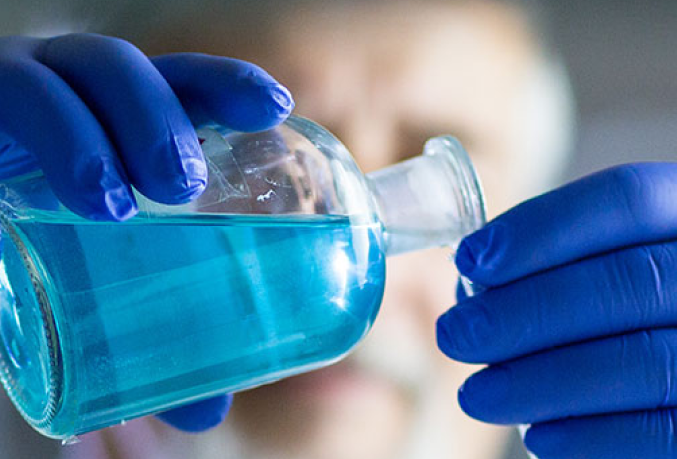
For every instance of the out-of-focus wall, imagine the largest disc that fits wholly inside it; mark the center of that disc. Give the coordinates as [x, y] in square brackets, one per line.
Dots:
[622, 62]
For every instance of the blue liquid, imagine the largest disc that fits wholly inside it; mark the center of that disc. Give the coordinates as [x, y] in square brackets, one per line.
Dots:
[155, 313]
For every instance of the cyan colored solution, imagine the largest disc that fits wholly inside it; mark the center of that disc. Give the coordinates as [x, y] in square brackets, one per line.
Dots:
[152, 311]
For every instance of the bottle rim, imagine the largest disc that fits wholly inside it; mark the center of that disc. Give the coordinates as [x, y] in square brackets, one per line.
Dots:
[464, 170]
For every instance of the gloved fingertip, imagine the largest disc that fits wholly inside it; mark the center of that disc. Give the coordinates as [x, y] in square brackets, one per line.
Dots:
[444, 338]
[462, 332]
[543, 441]
[463, 402]
[260, 102]
[483, 395]
[120, 204]
[114, 205]
[184, 181]
[482, 252]
[200, 416]
[196, 173]
[282, 100]
[191, 176]
[461, 293]
[465, 259]
[262, 107]
[193, 190]
[193, 180]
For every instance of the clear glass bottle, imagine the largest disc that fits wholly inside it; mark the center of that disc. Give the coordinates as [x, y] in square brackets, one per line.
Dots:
[276, 269]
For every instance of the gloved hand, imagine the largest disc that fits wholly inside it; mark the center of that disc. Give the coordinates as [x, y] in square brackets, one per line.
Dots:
[579, 323]
[98, 117]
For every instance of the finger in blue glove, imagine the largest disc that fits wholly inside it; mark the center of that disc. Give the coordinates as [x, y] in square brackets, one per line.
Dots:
[649, 435]
[200, 416]
[631, 372]
[98, 116]
[618, 207]
[226, 92]
[620, 291]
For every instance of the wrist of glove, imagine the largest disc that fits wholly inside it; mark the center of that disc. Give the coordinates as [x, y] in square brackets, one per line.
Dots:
[578, 325]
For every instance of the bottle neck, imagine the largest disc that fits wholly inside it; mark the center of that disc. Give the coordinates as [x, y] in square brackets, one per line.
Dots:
[429, 201]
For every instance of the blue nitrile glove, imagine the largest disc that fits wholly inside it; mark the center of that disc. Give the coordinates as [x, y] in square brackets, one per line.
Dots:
[579, 324]
[98, 117]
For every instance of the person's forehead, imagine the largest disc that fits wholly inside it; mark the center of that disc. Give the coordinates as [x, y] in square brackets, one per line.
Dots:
[459, 70]
[458, 55]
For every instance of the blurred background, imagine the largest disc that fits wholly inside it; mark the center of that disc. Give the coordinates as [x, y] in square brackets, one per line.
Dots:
[540, 92]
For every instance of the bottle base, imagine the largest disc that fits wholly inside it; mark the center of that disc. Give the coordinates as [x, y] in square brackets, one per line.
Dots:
[30, 356]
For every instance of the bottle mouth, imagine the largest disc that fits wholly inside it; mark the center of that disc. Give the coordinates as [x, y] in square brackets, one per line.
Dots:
[470, 193]
[30, 355]
[433, 200]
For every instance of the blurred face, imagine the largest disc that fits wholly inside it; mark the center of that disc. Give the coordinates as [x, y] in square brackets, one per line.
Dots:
[384, 79]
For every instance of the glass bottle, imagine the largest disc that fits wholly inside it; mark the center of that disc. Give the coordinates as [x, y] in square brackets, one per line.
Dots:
[276, 269]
